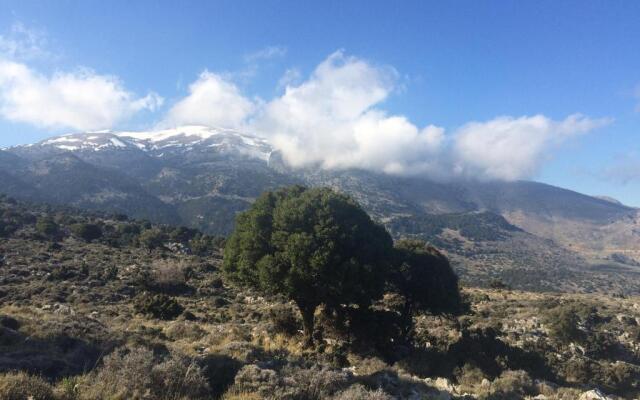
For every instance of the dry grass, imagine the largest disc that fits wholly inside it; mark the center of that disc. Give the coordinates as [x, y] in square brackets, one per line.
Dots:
[21, 386]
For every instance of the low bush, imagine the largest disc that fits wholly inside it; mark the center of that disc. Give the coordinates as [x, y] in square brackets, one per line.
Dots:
[86, 232]
[159, 306]
[290, 382]
[285, 320]
[136, 374]
[511, 385]
[359, 392]
[21, 386]
[168, 275]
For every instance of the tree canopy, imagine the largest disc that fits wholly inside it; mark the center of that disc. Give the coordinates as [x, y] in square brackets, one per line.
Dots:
[424, 277]
[314, 246]
[87, 232]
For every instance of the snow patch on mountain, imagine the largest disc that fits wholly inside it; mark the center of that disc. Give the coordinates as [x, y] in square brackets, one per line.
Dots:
[158, 142]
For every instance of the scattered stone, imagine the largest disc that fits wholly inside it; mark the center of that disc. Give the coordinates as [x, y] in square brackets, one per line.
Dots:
[594, 394]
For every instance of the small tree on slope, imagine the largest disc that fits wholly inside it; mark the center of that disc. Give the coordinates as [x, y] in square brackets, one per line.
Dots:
[314, 246]
[426, 281]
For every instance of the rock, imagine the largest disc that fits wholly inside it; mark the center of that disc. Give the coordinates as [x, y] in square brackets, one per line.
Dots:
[485, 384]
[64, 310]
[594, 394]
[443, 384]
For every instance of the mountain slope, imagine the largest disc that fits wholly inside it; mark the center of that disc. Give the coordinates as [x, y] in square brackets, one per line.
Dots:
[201, 177]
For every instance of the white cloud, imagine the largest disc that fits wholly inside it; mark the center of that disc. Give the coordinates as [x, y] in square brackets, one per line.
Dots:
[512, 148]
[266, 53]
[330, 119]
[212, 101]
[23, 43]
[81, 100]
[291, 76]
[334, 120]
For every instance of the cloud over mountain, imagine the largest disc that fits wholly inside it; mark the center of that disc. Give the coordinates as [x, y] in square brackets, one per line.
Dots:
[212, 101]
[510, 148]
[82, 99]
[334, 119]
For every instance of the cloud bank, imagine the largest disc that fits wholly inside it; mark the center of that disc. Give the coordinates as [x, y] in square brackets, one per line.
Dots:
[510, 148]
[212, 101]
[334, 120]
[81, 100]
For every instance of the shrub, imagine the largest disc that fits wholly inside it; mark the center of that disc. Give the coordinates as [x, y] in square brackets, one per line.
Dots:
[284, 320]
[469, 376]
[204, 245]
[158, 306]
[21, 386]
[498, 284]
[152, 239]
[87, 232]
[512, 385]
[563, 323]
[290, 382]
[426, 281]
[220, 371]
[179, 377]
[136, 374]
[359, 392]
[46, 226]
[9, 322]
[168, 275]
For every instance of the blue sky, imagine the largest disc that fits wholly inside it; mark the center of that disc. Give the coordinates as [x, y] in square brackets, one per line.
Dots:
[485, 89]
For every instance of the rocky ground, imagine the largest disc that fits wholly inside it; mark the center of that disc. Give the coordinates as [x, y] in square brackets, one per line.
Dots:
[116, 319]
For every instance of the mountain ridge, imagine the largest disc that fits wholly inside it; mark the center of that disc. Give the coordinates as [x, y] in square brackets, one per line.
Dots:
[201, 177]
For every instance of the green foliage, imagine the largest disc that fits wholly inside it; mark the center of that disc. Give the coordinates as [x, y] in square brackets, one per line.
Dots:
[483, 226]
[563, 323]
[159, 306]
[152, 238]
[182, 234]
[47, 226]
[426, 281]
[87, 232]
[313, 246]
[204, 245]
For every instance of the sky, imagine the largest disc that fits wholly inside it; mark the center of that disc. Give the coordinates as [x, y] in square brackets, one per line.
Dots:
[541, 90]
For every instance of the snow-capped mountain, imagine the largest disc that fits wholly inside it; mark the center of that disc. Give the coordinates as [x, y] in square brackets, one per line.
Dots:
[201, 177]
[157, 143]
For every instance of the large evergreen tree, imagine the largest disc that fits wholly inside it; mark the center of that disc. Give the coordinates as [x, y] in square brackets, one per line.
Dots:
[314, 246]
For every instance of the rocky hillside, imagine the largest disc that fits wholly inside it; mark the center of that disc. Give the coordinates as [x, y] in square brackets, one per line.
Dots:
[200, 177]
[97, 306]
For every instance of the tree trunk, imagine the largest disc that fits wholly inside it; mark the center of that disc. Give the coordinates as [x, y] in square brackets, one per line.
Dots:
[407, 320]
[307, 311]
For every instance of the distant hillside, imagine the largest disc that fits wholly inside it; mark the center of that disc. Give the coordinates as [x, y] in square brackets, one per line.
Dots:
[200, 177]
